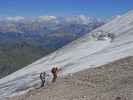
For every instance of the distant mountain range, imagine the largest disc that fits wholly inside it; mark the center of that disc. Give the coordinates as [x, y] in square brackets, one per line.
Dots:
[26, 39]
[47, 31]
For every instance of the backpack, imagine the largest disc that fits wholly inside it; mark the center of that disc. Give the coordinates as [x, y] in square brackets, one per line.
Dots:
[54, 70]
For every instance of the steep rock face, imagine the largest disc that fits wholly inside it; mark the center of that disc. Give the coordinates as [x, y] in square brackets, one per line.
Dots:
[86, 52]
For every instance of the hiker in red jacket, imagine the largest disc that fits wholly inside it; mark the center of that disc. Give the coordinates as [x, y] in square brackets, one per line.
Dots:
[54, 72]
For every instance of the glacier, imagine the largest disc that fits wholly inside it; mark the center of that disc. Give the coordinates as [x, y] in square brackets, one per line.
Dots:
[83, 53]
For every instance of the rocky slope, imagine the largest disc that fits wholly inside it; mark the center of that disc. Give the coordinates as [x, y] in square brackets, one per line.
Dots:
[112, 81]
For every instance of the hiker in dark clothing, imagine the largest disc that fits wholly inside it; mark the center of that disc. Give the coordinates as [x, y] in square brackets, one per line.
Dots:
[54, 72]
[43, 78]
[112, 36]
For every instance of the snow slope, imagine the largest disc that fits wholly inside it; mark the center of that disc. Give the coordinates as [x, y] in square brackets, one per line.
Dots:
[81, 54]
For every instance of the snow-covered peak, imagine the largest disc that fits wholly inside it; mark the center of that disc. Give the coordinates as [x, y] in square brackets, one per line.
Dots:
[85, 19]
[81, 19]
[46, 18]
[16, 18]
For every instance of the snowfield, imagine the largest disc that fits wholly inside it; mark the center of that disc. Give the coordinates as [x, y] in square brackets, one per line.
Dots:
[84, 53]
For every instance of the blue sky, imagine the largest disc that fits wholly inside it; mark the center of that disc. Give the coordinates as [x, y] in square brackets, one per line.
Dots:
[97, 8]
